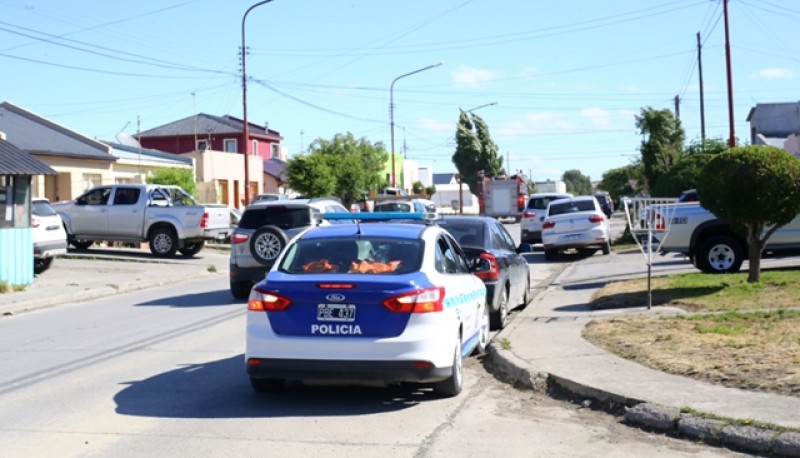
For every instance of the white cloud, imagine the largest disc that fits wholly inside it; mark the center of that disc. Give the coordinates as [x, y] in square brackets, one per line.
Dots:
[473, 77]
[435, 125]
[597, 116]
[774, 73]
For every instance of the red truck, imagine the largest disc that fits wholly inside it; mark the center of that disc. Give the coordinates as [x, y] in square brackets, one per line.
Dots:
[502, 197]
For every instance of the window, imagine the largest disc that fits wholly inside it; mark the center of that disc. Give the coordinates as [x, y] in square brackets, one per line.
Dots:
[14, 196]
[275, 150]
[91, 180]
[254, 148]
[201, 145]
[230, 145]
[95, 197]
[126, 196]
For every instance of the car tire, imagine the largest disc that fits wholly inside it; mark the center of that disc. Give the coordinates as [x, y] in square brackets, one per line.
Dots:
[163, 242]
[81, 244]
[483, 333]
[192, 249]
[267, 385]
[720, 254]
[526, 296]
[267, 243]
[41, 264]
[453, 385]
[241, 289]
[607, 248]
[499, 317]
[549, 255]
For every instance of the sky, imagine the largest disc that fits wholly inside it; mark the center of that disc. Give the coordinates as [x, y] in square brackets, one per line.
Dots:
[558, 83]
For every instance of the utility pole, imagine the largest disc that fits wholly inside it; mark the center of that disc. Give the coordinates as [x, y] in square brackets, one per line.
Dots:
[732, 140]
[678, 107]
[702, 103]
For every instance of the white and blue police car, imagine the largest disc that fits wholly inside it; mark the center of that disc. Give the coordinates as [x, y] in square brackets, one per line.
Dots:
[384, 302]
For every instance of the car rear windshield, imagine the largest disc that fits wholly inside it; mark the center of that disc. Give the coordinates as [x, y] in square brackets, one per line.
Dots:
[42, 208]
[277, 215]
[540, 203]
[394, 207]
[379, 256]
[571, 207]
[466, 233]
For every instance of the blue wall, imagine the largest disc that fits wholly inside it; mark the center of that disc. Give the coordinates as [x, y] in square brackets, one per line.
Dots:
[16, 256]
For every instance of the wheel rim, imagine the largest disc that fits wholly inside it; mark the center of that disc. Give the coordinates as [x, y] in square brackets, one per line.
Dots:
[457, 365]
[504, 306]
[484, 332]
[721, 257]
[267, 246]
[162, 243]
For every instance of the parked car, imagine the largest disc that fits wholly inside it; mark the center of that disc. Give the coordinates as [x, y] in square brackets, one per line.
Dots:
[263, 232]
[577, 222]
[165, 216]
[689, 195]
[268, 196]
[530, 223]
[498, 262]
[606, 203]
[405, 205]
[49, 236]
[384, 303]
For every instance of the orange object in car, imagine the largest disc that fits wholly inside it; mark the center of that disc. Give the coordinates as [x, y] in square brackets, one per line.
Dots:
[323, 265]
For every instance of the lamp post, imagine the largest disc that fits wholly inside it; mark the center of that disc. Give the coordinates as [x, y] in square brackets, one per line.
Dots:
[481, 106]
[246, 129]
[391, 109]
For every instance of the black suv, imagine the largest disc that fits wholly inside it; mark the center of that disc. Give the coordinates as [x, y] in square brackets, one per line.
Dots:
[605, 202]
[263, 232]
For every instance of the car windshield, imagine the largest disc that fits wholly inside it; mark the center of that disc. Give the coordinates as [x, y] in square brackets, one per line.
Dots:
[572, 206]
[365, 255]
[42, 208]
[394, 207]
[276, 215]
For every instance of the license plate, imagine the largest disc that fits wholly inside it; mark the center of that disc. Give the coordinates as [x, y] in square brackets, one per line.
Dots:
[336, 312]
[573, 237]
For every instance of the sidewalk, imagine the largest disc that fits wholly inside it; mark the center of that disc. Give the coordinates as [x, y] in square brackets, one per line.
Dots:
[544, 349]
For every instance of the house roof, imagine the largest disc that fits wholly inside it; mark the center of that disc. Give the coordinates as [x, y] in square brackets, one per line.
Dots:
[276, 168]
[14, 161]
[205, 124]
[122, 151]
[37, 135]
[443, 178]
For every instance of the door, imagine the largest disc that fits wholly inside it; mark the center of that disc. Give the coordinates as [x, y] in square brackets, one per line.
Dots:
[125, 214]
[90, 213]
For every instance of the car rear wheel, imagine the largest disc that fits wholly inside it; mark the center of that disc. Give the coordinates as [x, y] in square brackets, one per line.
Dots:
[720, 254]
[526, 296]
[483, 334]
[267, 385]
[192, 249]
[267, 243]
[241, 289]
[499, 317]
[163, 242]
[453, 385]
[81, 244]
[607, 248]
[41, 264]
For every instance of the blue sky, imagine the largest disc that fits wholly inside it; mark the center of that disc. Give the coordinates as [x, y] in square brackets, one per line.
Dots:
[565, 79]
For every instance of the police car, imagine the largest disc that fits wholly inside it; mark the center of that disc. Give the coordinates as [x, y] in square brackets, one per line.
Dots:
[384, 302]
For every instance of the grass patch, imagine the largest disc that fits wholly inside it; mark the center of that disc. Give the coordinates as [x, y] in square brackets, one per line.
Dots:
[6, 287]
[737, 334]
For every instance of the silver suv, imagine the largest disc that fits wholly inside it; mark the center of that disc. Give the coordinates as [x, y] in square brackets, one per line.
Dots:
[263, 232]
[530, 224]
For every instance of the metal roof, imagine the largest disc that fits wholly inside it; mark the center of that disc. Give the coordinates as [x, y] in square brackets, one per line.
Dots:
[14, 161]
[205, 124]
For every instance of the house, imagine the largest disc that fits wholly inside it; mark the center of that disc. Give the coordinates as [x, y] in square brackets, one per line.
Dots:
[16, 237]
[80, 162]
[776, 124]
[216, 144]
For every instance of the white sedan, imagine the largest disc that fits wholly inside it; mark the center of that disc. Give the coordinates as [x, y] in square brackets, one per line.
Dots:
[576, 222]
[366, 303]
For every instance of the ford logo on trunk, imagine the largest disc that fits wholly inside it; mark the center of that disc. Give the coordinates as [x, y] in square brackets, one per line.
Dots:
[335, 297]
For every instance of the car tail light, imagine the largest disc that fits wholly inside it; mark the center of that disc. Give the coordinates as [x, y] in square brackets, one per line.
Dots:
[239, 238]
[418, 301]
[336, 286]
[549, 224]
[204, 220]
[487, 268]
[35, 222]
[520, 202]
[528, 214]
[660, 224]
[597, 218]
[267, 301]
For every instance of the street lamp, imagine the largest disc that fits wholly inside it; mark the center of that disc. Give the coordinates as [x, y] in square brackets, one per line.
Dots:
[246, 128]
[391, 109]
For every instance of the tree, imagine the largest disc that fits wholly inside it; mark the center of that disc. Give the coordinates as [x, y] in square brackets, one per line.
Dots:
[475, 150]
[757, 190]
[684, 175]
[664, 143]
[344, 167]
[174, 176]
[623, 181]
[577, 183]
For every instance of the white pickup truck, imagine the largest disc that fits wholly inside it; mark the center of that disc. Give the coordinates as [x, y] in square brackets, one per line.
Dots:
[166, 217]
[711, 244]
